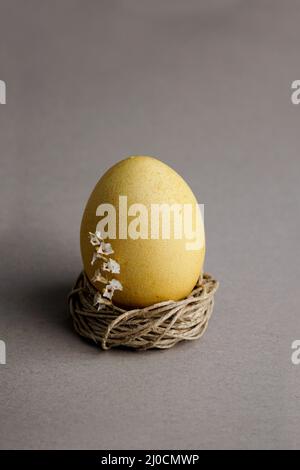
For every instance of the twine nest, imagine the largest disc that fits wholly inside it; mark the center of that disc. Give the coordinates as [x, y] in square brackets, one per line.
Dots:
[161, 325]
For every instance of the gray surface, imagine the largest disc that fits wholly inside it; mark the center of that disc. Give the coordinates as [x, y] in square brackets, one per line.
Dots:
[205, 86]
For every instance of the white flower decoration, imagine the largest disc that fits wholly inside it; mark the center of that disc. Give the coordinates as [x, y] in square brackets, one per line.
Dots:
[111, 287]
[99, 302]
[112, 266]
[101, 251]
[95, 238]
[116, 285]
[98, 277]
[104, 249]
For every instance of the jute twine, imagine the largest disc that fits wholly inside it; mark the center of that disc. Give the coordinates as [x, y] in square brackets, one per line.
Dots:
[161, 325]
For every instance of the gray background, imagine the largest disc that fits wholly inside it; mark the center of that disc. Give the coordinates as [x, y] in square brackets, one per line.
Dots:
[205, 86]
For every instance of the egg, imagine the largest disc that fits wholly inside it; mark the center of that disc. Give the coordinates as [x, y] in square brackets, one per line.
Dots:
[150, 218]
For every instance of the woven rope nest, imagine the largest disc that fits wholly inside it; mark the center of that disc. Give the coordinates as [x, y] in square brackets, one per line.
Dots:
[161, 325]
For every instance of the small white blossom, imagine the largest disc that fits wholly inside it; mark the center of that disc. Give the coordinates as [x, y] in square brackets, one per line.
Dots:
[111, 287]
[116, 285]
[95, 238]
[98, 277]
[112, 266]
[104, 249]
[99, 302]
[108, 292]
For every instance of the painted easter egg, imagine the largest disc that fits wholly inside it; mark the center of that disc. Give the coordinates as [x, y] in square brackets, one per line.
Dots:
[142, 234]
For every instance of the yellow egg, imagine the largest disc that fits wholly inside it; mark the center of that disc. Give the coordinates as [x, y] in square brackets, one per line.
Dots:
[151, 219]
